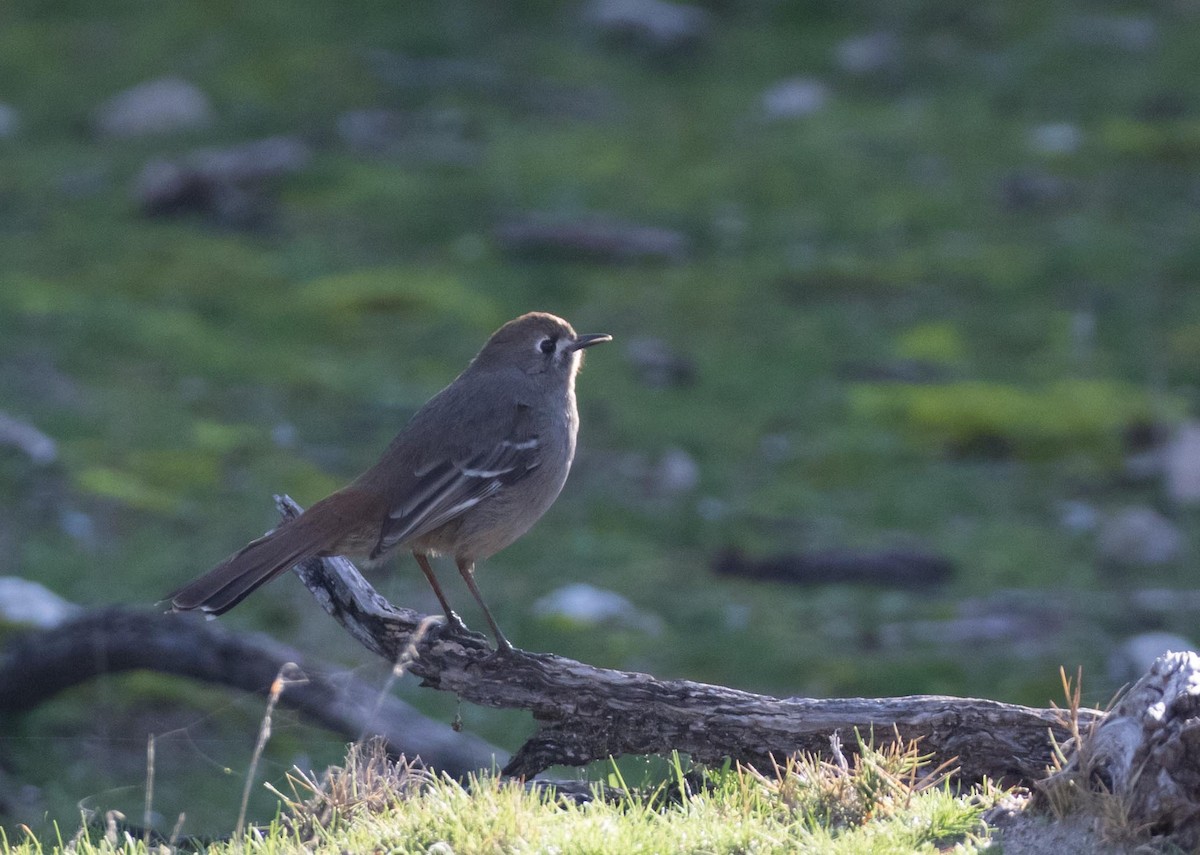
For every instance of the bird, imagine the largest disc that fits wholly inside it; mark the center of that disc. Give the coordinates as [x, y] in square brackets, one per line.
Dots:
[471, 472]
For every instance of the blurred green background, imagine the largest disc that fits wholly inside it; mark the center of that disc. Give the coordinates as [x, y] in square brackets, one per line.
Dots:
[881, 275]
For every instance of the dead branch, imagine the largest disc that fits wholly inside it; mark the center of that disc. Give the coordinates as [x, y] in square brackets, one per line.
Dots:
[37, 665]
[585, 713]
[1144, 757]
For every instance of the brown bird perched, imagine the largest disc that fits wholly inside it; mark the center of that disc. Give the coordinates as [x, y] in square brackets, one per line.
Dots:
[472, 471]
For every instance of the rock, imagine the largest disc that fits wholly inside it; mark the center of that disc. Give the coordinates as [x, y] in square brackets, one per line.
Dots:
[10, 121]
[870, 53]
[591, 238]
[641, 480]
[161, 106]
[1136, 654]
[374, 131]
[1034, 189]
[1055, 138]
[80, 527]
[657, 365]
[439, 136]
[29, 604]
[253, 161]
[285, 435]
[1027, 630]
[675, 472]
[587, 606]
[794, 98]
[656, 26]
[34, 375]
[1078, 517]
[1181, 464]
[736, 617]
[1138, 536]
[1144, 466]
[225, 183]
[712, 509]
[21, 435]
[975, 631]
[776, 448]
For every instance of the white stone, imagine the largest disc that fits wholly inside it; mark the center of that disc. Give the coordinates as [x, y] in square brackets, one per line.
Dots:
[586, 605]
[794, 98]
[676, 472]
[27, 603]
[155, 107]
[1055, 138]
[1139, 536]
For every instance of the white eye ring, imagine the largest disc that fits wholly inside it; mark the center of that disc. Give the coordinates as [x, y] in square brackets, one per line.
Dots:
[547, 345]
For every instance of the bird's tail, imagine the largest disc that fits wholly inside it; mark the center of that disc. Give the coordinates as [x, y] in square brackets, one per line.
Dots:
[255, 564]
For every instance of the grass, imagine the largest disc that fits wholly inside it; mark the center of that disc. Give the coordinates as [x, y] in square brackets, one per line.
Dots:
[879, 801]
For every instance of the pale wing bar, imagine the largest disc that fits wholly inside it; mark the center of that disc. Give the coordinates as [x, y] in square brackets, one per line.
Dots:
[450, 488]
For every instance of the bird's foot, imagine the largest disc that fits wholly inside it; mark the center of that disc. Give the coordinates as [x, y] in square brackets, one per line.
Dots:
[453, 625]
[504, 648]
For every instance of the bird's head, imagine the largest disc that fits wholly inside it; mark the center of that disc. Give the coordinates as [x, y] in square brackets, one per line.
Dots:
[538, 343]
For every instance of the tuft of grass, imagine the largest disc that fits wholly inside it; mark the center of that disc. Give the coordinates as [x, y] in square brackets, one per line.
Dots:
[875, 784]
[369, 783]
[1073, 789]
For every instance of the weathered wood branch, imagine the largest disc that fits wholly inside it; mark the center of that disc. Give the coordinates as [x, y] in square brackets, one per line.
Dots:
[36, 665]
[585, 713]
[1144, 757]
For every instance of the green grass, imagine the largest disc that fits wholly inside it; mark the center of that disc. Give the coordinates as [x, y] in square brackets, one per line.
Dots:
[880, 801]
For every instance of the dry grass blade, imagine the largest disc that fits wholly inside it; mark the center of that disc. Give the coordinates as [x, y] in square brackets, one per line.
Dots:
[148, 813]
[289, 674]
[400, 666]
[370, 781]
[876, 782]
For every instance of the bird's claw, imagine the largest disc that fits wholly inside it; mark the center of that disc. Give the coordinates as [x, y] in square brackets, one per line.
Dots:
[504, 649]
[453, 625]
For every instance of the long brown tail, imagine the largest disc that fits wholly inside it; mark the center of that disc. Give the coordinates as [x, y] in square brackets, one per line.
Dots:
[255, 564]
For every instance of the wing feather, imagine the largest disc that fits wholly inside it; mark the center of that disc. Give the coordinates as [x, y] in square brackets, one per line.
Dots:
[440, 491]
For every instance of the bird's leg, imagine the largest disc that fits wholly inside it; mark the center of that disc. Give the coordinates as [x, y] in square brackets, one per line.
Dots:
[467, 569]
[454, 621]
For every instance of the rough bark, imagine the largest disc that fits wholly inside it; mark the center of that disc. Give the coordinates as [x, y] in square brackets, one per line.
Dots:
[1144, 756]
[585, 713]
[37, 665]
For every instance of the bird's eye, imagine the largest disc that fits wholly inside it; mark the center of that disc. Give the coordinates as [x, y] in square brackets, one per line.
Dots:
[547, 345]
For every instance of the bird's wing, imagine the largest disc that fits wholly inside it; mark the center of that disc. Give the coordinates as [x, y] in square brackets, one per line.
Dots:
[440, 490]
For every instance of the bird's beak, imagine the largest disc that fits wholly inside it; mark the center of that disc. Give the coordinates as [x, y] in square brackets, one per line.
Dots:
[582, 341]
